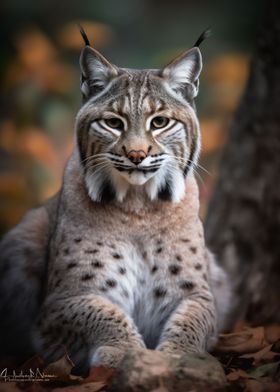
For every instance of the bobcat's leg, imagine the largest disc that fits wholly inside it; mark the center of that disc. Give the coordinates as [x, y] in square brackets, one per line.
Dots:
[22, 270]
[89, 327]
[222, 292]
[191, 325]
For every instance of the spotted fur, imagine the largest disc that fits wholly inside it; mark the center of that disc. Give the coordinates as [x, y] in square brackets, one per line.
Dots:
[117, 259]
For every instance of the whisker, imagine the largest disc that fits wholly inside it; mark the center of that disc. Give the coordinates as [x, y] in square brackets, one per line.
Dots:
[186, 161]
[95, 156]
[195, 171]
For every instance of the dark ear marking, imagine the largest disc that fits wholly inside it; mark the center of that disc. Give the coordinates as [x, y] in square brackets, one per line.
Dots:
[203, 36]
[83, 34]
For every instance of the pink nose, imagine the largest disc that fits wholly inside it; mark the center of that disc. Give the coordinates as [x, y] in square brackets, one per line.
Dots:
[136, 156]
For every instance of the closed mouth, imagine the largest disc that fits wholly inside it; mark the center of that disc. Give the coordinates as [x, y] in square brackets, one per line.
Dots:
[130, 170]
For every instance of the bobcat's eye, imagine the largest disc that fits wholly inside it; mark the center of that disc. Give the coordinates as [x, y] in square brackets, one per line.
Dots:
[159, 122]
[115, 123]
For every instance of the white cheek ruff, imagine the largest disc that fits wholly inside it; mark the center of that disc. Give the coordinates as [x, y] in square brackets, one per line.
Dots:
[168, 183]
[120, 184]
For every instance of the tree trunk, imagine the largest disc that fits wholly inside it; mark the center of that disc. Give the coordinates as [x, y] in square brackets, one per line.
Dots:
[243, 222]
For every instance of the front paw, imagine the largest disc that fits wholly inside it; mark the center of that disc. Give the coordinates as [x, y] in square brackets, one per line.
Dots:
[107, 356]
[111, 355]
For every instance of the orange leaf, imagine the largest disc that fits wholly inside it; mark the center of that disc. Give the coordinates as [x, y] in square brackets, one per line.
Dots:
[247, 341]
[99, 374]
[272, 333]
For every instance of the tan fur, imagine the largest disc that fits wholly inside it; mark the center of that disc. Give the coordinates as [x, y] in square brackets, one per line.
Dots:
[131, 271]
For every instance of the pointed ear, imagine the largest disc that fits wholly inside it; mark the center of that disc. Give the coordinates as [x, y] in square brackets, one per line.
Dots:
[182, 74]
[96, 72]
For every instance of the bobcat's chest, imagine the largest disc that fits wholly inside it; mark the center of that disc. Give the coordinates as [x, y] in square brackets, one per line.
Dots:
[146, 275]
[147, 289]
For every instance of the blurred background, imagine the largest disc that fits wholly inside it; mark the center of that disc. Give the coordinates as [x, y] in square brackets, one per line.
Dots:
[40, 46]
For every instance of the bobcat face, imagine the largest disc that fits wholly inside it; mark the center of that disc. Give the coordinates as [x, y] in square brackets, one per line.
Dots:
[138, 128]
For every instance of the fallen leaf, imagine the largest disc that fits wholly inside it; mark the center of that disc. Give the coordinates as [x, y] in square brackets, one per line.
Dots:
[89, 387]
[35, 362]
[260, 385]
[264, 355]
[9, 387]
[269, 369]
[236, 374]
[62, 369]
[272, 333]
[99, 374]
[247, 341]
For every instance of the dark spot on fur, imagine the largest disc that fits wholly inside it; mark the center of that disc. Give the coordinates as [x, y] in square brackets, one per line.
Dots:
[178, 257]
[164, 308]
[125, 293]
[187, 285]
[57, 252]
[97, 264]
[113, 246]
[117, 256]
[57, 283]
[88, 316]
[159, 292]
[159, 241]
[174, 269]
[198, 266]
[185, 240]
[142, 282]
[66, 251]
[159, 250]
[165, 192]
[99, 243]
[144, 255]
[77, 240]
[193, 249]
[107, 192]
[111, 283]
[87, 277]
[204, 277]
[103, 289]
[91, 251]
[154, 269]
[204, 298]
[122, 270]
[72, 265]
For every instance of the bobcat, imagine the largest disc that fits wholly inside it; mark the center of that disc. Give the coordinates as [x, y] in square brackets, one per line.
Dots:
[117, 259]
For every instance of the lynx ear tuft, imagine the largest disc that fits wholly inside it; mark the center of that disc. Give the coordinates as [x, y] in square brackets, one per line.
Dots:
[182, 74]
[206, 34]
[83, 34]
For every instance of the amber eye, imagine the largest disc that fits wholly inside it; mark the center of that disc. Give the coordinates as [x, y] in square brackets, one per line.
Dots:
[159, 122]
[114, 123]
